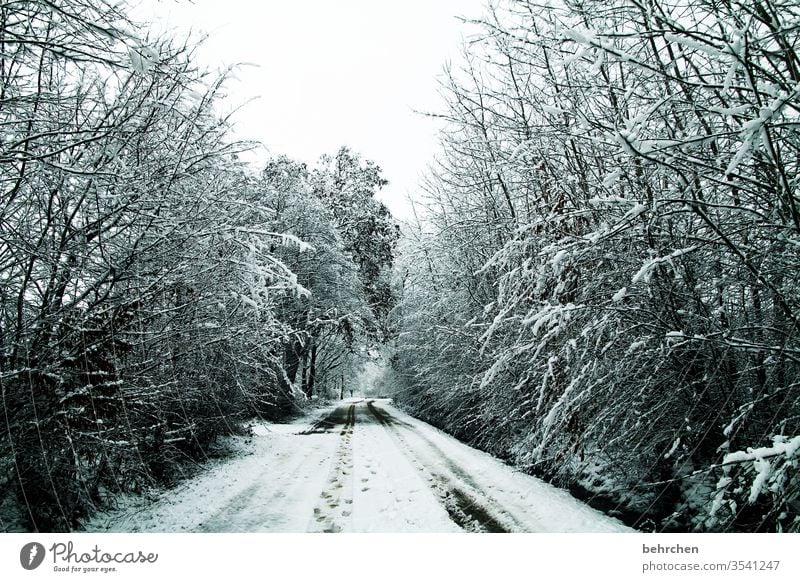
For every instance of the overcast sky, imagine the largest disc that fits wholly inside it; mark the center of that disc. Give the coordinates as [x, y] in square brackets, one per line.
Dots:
[333, 72]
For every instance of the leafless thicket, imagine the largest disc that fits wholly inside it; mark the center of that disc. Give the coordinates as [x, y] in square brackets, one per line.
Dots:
[153, 292]
[605, 287]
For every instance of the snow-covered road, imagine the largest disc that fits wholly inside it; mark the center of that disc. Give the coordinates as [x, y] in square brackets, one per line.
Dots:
[364, 467]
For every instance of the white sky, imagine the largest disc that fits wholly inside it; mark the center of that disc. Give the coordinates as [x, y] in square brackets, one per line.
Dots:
[333, 72]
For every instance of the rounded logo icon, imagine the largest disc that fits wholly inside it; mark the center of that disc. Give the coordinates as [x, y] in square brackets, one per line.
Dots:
[31, 555]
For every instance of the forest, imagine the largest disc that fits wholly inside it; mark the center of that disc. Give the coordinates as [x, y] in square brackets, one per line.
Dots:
[155, 292]
[599, 286]
[604, 290]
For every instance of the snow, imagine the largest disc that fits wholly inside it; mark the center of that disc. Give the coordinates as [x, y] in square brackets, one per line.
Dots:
[611, 178]
[693, 44]
[142, 59]
[558, 258]
[744, 411]
[385, 472]
[619, 295]
[643, 274]
[518, 150]
[762, 459]
[597, 200]
[598, 64]
[729, 77]
[637, 345]
[763, 470]
[624, 139]
[248, 301]
[731, 111]
[637, 210]
[553, 110]
[288, 239]
[781, 446]
[672, 449]
[584, 36]
[538, 506]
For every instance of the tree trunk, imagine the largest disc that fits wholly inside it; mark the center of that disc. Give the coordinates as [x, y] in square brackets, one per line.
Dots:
[304, 376]
[312, 370]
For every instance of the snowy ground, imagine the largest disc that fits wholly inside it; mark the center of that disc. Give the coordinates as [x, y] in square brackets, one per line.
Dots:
[365, 467]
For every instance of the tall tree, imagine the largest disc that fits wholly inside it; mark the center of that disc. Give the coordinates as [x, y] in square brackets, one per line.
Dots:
[348, 186]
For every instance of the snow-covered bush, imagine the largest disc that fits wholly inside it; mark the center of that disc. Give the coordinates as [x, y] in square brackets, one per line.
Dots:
[605, 279]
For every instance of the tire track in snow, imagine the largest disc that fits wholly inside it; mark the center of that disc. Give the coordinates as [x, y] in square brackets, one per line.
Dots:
[336, 500]
[339, 416]
[458, 492]
[240, 512]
